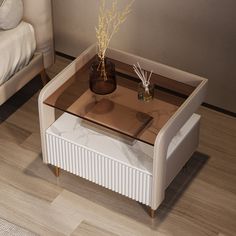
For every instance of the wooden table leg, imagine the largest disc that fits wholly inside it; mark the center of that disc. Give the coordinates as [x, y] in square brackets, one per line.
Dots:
[44, 77]
[57, 171]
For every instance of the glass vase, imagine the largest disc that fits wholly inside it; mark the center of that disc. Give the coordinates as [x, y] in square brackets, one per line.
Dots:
[102, 78]
[145, 94]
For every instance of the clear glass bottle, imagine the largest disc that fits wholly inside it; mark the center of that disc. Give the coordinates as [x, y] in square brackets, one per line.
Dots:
[145, 93]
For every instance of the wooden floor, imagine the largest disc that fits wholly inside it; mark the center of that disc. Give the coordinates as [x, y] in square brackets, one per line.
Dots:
[200, 201]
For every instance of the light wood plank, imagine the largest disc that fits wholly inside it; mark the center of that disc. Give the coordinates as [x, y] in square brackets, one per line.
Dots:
[218, 131]
[42, 213]
[13, 153]
[13, 133]
[26, 222]
[32, 143]
[102, 216]
[88, 229]
[28, 182]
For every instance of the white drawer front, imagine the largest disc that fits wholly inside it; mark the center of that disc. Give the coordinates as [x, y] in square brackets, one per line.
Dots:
[100, 169]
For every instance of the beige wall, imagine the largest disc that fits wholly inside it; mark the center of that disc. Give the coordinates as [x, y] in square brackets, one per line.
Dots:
[198, 36]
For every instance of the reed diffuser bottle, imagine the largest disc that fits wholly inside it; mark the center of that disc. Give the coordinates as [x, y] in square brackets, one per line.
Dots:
[145, 88]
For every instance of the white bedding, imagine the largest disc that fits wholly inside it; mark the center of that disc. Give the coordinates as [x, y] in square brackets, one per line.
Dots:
[17, 47]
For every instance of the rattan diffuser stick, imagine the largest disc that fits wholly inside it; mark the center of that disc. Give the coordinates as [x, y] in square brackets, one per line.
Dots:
[143, 76]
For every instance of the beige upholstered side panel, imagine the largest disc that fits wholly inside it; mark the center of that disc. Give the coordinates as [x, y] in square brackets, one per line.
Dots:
[22, 77]
[39, 14]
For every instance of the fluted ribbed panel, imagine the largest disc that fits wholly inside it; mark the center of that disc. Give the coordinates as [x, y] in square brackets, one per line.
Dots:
[100, 169]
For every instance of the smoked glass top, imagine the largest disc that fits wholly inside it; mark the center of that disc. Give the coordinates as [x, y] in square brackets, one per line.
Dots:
[120, 112]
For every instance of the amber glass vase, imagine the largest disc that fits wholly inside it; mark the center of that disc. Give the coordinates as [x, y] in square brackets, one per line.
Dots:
[102, 78]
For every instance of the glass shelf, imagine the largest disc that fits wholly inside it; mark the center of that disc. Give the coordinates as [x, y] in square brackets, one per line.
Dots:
[121, 111]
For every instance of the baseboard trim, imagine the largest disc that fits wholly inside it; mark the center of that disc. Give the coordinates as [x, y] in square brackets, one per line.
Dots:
[61, 54]
[221, 110]
[212, 107]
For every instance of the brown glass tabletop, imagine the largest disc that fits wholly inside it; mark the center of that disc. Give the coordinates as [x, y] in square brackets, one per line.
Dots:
[121, 111]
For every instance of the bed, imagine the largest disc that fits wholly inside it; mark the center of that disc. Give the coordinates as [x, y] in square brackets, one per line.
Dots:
[21, 59]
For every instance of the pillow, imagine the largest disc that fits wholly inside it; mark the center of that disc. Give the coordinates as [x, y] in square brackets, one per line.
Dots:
[11, 13]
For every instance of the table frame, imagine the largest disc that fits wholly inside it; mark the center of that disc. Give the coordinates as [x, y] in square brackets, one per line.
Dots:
[166, 134]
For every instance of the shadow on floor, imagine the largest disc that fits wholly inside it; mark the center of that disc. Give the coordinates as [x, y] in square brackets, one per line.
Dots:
[21, 97]
[180, 184]
[117, 202]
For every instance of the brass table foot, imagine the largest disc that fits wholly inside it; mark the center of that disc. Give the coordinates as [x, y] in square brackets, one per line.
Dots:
[151, 212]
[57, 171]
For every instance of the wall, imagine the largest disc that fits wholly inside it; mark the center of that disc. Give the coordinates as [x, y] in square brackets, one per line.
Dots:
[195, 36]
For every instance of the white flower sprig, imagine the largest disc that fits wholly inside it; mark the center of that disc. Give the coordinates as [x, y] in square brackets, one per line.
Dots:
[143, 76]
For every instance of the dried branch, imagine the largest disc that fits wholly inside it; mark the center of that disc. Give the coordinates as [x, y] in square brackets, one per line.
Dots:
[109, 21]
